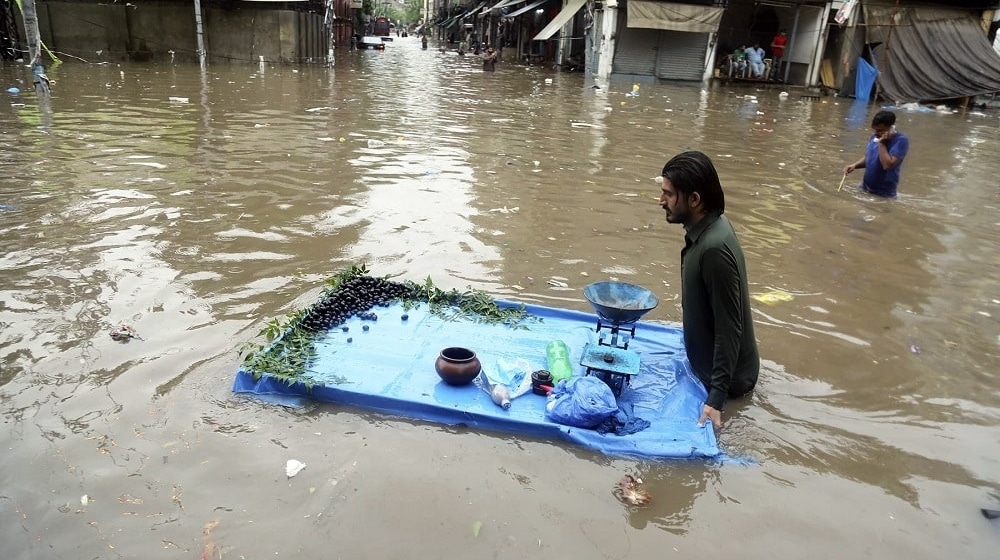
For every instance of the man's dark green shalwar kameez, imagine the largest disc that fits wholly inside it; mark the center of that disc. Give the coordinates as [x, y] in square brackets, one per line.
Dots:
[718, 325]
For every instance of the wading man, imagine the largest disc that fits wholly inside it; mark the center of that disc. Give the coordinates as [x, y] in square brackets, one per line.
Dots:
[883, 158]
[715, 297]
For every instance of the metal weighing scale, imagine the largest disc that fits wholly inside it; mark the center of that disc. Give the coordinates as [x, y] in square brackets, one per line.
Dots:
[618, 305]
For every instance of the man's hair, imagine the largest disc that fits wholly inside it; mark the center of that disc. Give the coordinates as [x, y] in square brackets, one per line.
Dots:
[693, 172]
[887, 118]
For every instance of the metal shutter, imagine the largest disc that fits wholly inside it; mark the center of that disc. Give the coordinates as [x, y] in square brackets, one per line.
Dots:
[681, 55]
[635, 50]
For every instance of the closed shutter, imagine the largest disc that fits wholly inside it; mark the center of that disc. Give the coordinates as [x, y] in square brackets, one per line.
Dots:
[635, 51]
[681, 55]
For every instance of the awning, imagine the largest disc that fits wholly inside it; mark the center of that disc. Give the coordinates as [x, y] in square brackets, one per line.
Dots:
[474, 10]
[931, 54]
[674, 17]
[487, 6]
[526, 8]
[567, 13]
[504, 4]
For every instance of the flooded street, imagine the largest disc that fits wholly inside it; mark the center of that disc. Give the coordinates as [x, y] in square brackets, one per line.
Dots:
[199, 207]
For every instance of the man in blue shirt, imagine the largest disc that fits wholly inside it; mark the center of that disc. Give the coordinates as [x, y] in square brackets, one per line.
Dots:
[883, 157]
[755, 57]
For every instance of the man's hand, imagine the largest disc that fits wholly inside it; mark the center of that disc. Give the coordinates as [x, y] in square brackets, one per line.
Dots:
[849, 168]
[708, 412]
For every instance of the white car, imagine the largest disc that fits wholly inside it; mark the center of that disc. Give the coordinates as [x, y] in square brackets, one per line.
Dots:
[371, 42]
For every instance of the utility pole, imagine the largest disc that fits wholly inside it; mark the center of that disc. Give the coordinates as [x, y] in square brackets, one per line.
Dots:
[200, 33]
[328, 25]
[31, 30]
[39, 78]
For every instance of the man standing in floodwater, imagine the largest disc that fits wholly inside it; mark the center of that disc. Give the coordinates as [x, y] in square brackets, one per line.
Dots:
[883, 158]
[489, 59]
[715, 294]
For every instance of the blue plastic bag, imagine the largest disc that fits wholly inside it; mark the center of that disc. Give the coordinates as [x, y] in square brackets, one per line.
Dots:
[581, 402]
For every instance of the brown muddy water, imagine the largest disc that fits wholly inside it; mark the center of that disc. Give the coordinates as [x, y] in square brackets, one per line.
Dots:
[199, 219]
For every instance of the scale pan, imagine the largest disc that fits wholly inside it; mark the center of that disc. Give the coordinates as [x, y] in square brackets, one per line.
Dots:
[620, 302]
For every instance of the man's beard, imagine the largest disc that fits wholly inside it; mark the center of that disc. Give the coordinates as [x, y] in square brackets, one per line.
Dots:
[677, 217]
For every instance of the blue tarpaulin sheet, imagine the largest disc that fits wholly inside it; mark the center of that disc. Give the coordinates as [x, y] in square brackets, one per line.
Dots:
[865, 80]
[389, 368]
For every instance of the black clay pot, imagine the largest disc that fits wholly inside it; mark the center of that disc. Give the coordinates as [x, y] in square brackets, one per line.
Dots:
[457, 366]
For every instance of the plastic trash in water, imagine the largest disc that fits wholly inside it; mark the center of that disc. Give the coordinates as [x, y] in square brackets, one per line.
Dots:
[13, 90]
[773, 296]
[293, 467]
[373, 143]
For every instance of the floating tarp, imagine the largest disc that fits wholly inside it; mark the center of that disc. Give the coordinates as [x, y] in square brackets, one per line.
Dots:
[930, 54]
[389, 368]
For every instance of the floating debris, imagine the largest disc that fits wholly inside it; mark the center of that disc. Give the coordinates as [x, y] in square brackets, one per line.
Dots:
[773, 296]
[124, 333]
[629, 491]
[293, 467]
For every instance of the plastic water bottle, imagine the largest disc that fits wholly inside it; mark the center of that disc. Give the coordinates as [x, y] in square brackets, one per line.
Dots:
[500, 395]
[557, 358]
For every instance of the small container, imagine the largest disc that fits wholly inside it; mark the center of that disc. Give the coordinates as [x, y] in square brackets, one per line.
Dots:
[541, 382]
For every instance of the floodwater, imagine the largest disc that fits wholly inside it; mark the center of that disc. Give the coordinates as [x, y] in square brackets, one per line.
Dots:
[199, 219]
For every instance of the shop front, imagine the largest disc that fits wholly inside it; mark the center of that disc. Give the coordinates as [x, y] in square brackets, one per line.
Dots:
[665, 40]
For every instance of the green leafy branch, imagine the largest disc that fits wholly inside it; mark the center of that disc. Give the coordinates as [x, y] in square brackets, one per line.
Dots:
[289, 348]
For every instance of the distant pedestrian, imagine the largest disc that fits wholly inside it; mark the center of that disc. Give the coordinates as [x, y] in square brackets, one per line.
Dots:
[489, 59]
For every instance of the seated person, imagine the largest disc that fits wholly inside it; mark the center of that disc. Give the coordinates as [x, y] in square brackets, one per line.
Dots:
[755, 58]
[738, 62]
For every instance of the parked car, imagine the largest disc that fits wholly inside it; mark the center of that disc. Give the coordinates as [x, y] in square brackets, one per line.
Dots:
[371, 42]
